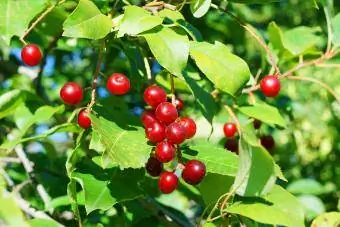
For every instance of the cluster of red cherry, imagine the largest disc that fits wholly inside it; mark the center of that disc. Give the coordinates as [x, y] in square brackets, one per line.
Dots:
[164, 128]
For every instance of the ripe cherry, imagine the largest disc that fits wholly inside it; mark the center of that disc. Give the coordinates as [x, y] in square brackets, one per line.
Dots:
[154, 95]
[155, 132]
[167, 182]
[193, 172]
[153, 167]
[189, 125]
[179, 104]
[71, 93]
[165, 151]
[229, 129]
[148, 117]
[270, 86]
[231, 145]
[267, 142]
[257, 124]
[31, 55]
[175, 133]
[83, 119]
[166, 112]
[118, 84]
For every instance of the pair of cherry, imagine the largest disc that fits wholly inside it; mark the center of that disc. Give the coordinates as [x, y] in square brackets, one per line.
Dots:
[164, 128]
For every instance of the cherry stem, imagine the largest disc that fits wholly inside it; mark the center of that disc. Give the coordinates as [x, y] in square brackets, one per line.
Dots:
[172, 84]
[96, 74]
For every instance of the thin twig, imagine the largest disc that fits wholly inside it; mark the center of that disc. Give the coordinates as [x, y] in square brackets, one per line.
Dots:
[10, 160]
[96, 74]
[326, 65]
[172, 84]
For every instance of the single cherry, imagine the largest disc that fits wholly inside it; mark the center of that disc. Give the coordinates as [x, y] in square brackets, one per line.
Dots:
[71, 93]
[148, 117]
[166, 112]
[270, 86]
[189, 125]
[231, 145]
[154, 167]
[193, 172]
[229, 129]
[175, 133]
[165, 151]
[257, 124]
[155, 132]
[118, 84]
[268, 142]
[31, 55]
[154, 95]
[167, 182]
[84, 120]
[179, 104]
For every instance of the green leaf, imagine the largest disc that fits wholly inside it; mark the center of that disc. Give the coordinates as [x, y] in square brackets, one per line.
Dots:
[15, 16]
[232, 74]
[65, 201]
[279, 207]
[38, 222]
[327, 220]
[306, 186]
[170, 14]
[220, 185]
[10, 101]
[95, 143]
[204, 99]
[86, 21]
[313, 206]
[336, 30]
[264, 113]
[103, 188]
[249, 134]
[124, 145]
[200, 7]
[216, 159]
[137, 20]
[170, 46]
[254, 1]
[256, 173]
[44, 113]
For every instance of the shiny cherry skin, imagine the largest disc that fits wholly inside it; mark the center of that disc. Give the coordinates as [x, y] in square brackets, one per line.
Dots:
[84, 120]
[71, 93]
[148, 117]
[154, 95]
[257, 124]
[154, 167]
[193, 172]
[165, 151]
[155, 132]
[168, 182]
[118, 84]
[179, 104]
[231, 145]
[166, 112]
[31, 55]
[229, 129]
[268, 142]
[270, 86]
[189, 125]
[175, 133]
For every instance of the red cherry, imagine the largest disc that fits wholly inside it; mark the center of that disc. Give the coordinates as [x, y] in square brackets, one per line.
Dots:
[257, 124]
[189, 125]
[179, 104]
[165, 151]
[231, 145]
[229, 129]
[155, 132]
[175, 133]
[153, 167]
[71, 93]
[167, 182]
[166, 112]
[193, 172]
[267, 142]
[31, 55]
[83, 119]
[148, 117]
[270, 86]
[118, 84]
[154, 95]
